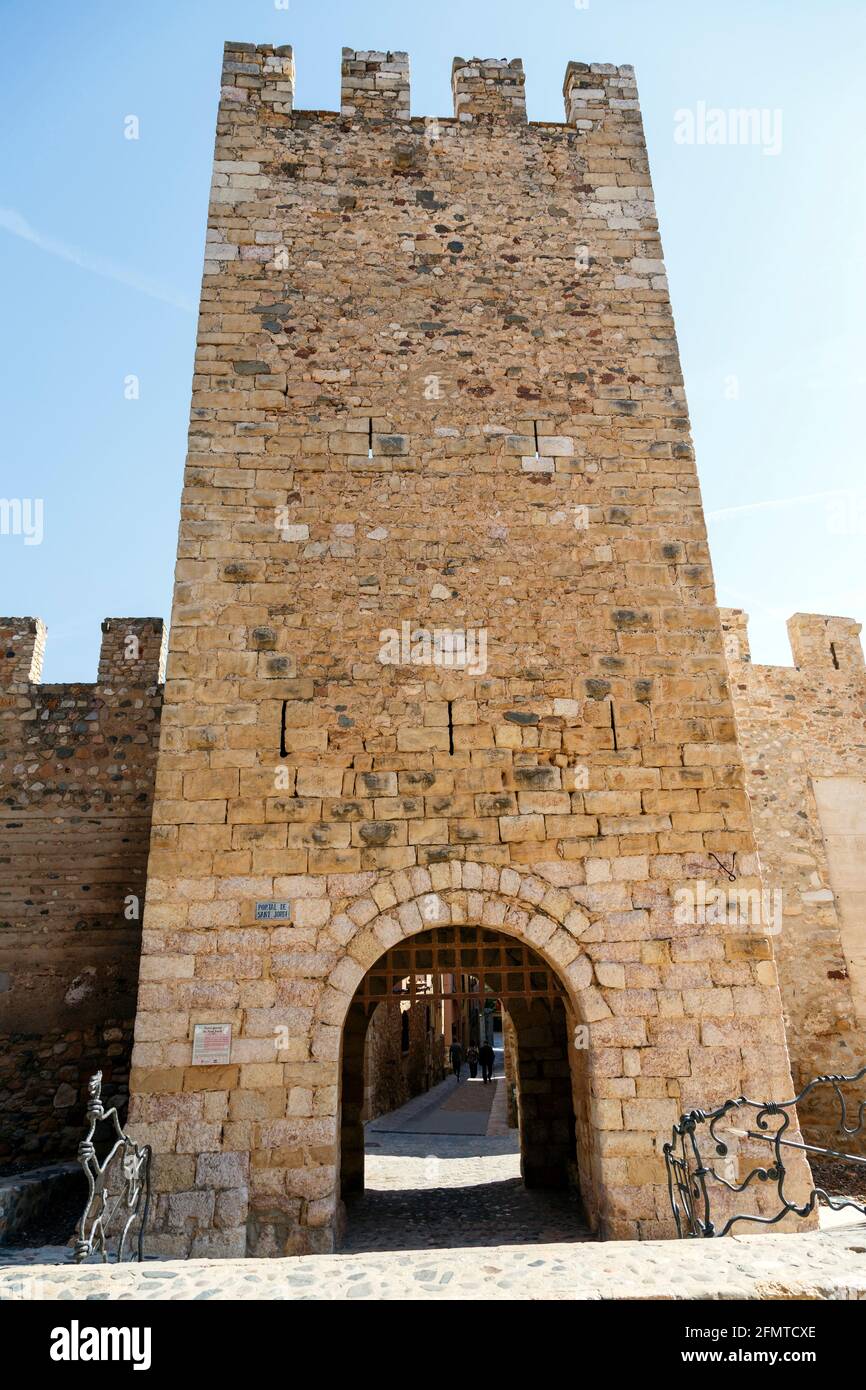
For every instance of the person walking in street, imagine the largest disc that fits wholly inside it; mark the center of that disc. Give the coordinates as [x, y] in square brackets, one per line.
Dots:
[486, 1057]
[472, 1059]
[455, 1054]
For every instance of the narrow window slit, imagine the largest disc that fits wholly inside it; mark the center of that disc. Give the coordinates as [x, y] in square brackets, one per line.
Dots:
[834, 656]
[369, 439]
[284, 752]
[535, 433]
[613, 727]
[451, 727]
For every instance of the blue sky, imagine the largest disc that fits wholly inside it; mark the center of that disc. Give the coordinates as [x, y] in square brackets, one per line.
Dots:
[101, 244]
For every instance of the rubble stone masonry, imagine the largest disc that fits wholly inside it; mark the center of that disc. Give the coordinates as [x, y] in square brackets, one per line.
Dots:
[77, 767]
[401, 1059]
[437, 383]
[802, 730]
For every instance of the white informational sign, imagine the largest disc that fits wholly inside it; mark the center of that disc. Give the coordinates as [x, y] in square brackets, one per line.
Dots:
[278, 910]
[212, 1044]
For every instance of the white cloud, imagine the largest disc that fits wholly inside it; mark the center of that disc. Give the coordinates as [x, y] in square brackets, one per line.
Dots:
[12, 222]
[777, 503]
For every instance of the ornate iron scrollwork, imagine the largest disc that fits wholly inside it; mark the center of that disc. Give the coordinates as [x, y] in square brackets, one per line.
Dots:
[691, 1174]
[110, 1216]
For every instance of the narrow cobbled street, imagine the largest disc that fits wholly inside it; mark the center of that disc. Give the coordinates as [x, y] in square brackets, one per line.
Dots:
[444, 1171]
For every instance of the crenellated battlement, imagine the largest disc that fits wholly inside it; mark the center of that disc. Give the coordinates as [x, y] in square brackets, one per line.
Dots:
[22, 650]
[820, 643]
[591, 90]
[489, 89]
[374, 85]
[132, 652]
[259, 74]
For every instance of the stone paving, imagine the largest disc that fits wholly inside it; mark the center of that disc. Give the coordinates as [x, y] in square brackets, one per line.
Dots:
[444, 1171]
[817, 1265]
[445, 1216]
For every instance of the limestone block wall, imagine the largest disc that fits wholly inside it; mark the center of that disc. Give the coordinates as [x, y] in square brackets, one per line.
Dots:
[802, 730]
[77, 768]
[437, 390]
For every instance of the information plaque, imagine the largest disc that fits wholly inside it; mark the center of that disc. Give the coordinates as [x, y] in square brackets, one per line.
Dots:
[211, 1044]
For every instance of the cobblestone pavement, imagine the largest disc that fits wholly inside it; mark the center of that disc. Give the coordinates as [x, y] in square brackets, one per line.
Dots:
[445, 1216]
[819, 1265]
[444, 1171]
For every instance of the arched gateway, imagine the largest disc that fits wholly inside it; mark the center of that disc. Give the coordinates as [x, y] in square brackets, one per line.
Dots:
[478, 966]
[466, 924]
[292, 1129]
[461, 963]
[490, 924]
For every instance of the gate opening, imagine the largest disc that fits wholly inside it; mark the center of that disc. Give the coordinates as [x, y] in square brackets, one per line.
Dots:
[431, 1152]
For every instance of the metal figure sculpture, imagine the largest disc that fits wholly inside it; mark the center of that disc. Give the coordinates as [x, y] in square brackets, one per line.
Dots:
[110, 1216]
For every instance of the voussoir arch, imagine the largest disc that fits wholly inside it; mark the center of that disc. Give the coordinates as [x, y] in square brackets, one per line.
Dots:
[521, 904]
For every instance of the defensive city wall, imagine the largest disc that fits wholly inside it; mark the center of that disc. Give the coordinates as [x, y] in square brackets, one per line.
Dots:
[802, 729]
[67, 993]
[77, 766]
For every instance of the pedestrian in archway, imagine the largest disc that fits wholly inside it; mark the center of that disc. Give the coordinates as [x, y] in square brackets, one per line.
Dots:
[455, 1054]
[472, 1059]
[487, 1057]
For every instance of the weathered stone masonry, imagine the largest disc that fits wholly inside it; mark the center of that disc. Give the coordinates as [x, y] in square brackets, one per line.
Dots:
[795, 724]
[437, 381]
[802, 730]
[77, 767]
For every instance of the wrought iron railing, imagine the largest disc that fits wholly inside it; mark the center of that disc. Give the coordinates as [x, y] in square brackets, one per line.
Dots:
[698, 1180]
[110, 1216]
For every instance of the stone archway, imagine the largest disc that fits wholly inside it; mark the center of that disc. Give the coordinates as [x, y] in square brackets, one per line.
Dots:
[545, 917]
[249, 1153]
[557, 1138]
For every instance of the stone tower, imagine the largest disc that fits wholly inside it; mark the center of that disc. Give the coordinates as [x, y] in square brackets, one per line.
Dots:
[444, 645]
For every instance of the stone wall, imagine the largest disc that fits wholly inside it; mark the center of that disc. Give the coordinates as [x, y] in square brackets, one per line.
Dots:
[394, 1073]
[802, 730]
[27, 1197]
[436, 384]
[375, 85]
[77, 767]
[509, 1047]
